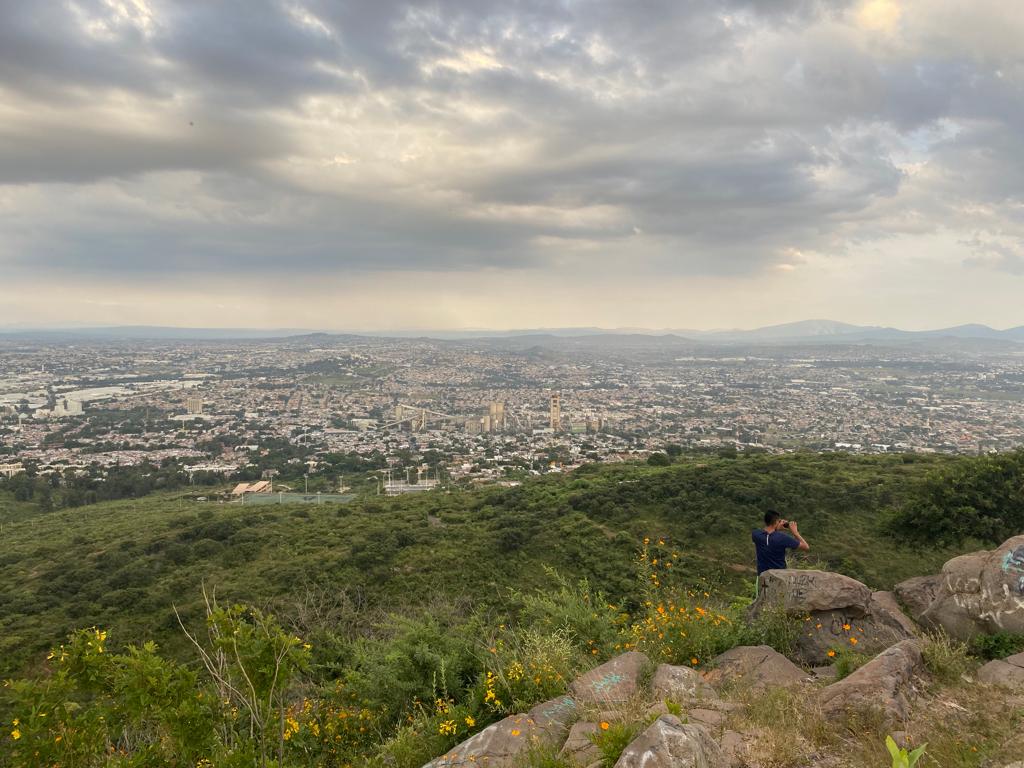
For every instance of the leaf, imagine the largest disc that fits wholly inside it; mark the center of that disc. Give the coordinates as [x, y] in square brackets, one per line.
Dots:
[894, 750]
[916, 754]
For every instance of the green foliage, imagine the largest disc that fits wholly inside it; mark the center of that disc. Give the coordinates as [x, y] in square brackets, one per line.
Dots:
[982, 498]
[996, 646]
[944, 657]
[900, 757]
[611, 739]
[848, 661]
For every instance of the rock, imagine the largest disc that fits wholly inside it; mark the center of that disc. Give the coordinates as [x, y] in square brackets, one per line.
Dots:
[800, 592]
[982, 592]
[1008, 673]
[919, 593]
[884, 604]
[579, 748]
[826, 674]
[614, 682]
[836, 608]
[501, 745]
[885, 683]
[734, 746]
[680, 684]
[554, 716]
[709, 718]
[667, 743]
[756, 666]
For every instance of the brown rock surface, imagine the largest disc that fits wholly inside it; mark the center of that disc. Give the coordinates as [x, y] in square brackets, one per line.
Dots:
[835, 608]
[680, 684]
[756, 666]
[1008, 673]
[667, 743]
[614, 682]
[982, 592]
[579, 748]
[885, 683]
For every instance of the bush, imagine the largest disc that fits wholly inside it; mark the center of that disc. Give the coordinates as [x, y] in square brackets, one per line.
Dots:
[847, 662]
[997, 646]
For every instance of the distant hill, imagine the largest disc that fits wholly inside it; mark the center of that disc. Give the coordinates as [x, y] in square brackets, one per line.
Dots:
[802, 332]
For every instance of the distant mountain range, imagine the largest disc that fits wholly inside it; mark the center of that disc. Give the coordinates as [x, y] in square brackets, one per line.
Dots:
[802, 332]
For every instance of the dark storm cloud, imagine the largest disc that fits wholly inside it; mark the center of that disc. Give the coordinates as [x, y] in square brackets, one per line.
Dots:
[274, 135]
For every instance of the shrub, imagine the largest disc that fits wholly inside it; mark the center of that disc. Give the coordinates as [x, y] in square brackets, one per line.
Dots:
[848, 661]
[997, 646]
[611, 739]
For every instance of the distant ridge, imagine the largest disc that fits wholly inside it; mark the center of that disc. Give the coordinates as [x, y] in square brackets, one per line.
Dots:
[818, 331]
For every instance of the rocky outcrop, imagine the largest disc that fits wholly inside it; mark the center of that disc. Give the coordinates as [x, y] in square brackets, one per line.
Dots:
[667, 743]
[1008, 673]
[680, 684]
[979, 593]
[838, 612]
[887, 683]
[755, 667]
[614, 682]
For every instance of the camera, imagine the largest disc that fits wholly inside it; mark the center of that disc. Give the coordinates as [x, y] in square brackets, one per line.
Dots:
[786, 524]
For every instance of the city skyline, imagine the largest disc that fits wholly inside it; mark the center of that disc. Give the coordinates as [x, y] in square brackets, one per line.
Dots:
[718, 164]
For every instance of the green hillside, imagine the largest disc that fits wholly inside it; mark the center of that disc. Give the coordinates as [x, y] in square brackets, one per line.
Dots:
[383, 632]
[124, 564]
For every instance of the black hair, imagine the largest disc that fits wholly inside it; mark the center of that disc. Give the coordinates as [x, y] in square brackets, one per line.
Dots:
[771, 517]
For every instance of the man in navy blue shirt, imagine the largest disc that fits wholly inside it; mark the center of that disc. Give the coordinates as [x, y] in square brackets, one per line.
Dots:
[774, 540]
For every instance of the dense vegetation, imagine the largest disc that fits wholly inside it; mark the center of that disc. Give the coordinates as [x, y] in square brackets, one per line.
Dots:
[402, 618]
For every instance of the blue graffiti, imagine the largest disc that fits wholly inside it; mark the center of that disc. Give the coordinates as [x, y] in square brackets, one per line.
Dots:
[1013, 563]
[606, 682]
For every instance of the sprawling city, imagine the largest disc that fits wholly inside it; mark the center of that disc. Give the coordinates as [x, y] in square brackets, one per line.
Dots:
[410, 414]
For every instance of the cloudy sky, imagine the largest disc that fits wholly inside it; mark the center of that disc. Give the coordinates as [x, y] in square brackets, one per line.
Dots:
[499, 163]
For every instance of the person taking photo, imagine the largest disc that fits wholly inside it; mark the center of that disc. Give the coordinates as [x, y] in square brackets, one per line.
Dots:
[774, 541]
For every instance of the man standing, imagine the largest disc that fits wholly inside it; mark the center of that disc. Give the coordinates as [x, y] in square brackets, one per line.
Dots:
[772, 542]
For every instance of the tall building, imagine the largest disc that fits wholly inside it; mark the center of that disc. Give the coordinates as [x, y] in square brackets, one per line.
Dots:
[194, 405]
[496, 414]
[556, 411]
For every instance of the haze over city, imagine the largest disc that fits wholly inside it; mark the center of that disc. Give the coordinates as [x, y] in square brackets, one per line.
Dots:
[713, 164]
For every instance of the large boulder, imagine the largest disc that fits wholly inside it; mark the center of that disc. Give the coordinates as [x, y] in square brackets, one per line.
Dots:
[614, 682]
[667, 743]
[680, 684]
[508, 741]
[980, 593]
[886, 683]
[754, 667]
[837, 611]
[1008, 673]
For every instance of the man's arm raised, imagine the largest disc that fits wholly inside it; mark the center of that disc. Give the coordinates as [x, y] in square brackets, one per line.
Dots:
[802, 543]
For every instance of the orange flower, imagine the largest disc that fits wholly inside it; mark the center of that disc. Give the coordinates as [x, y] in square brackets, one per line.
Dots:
[604, 725]
[846, 627]
[831, 654]
[853, 641]
[694, 661]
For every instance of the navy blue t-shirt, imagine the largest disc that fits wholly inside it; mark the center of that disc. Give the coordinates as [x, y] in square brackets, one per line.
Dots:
[771, 548]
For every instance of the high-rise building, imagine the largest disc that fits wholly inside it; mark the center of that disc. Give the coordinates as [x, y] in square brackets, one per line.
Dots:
[556, 411]
[194, 405]
[497, 417]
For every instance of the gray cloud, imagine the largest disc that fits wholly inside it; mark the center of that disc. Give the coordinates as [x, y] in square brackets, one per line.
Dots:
[273, 136]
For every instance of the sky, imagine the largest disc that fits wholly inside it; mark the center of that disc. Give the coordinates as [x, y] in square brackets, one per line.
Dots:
[511, 164]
